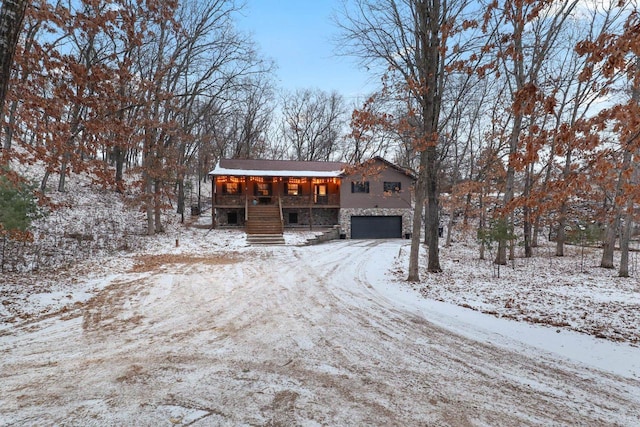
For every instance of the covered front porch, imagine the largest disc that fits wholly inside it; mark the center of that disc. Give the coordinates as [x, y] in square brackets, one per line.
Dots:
[230, 191]
[303, 194]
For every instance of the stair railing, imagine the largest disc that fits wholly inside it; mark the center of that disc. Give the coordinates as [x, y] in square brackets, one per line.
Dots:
[280, 208]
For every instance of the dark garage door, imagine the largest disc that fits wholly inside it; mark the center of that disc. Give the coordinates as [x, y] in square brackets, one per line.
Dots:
[376, 227]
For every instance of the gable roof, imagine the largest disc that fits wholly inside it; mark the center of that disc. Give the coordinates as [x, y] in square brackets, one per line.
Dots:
[368, 163]
[252, 167]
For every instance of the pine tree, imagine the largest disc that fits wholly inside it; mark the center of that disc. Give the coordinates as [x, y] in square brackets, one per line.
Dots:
[18, 206]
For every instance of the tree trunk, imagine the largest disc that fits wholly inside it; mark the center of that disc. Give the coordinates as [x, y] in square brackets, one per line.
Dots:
[148, 188]
[63, 173]
[43, 183]
[624, 242]
[8, 138]
[526, 211]
[11, 17]
[157, 205]
[627, 163]
[512, 250]
[528, 252]
[626, 231]
[481, 225]
[608, 245]
[118, 154]
[467, 208]
[414, 254]
[449, 228]
[612, 228]
[501, 253]
[501, 256]
[181, 197]
[433, 220]
[151, 230]
[561, 235]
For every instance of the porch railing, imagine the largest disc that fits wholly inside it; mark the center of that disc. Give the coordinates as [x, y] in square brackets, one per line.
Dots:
[283, 201]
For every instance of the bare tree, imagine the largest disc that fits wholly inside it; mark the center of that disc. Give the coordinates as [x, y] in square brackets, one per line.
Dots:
[409, 39]
[249, 118]
[313, 123]
[367, 139]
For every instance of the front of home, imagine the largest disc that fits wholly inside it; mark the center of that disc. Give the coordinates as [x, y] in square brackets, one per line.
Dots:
[371, 200]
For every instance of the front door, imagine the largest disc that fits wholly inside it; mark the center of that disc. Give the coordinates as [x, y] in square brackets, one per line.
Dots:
[320, 194]
[263, 191]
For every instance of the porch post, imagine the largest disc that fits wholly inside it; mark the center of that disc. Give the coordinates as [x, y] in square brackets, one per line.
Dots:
[311, 198]
[213, 201]
[246, 199]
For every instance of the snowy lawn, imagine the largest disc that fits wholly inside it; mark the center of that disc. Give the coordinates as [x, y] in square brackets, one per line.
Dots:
[568, 293]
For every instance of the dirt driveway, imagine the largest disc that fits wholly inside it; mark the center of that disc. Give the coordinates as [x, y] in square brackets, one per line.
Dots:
[282, 336]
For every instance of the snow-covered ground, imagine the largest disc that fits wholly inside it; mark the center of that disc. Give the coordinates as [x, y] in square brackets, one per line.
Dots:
[198, 328]
[195, 327]
[563, 293]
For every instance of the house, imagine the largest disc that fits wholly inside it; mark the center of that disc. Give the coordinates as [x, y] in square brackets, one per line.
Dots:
[370, 200]
[376, 200]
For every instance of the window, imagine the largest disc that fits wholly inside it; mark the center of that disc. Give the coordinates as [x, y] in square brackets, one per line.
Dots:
[292, 189]
[392, 187]
[360, 186]
[293, 217]
[231, 188]
[232, 218]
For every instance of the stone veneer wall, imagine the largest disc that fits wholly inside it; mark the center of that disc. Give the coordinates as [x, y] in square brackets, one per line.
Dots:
[321, 217]
[222, 215]
[346, 214]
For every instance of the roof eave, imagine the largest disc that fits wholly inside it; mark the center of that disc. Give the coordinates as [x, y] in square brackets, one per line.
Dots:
[252, 172]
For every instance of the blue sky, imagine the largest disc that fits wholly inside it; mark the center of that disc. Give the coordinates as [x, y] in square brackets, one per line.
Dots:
[297, 35]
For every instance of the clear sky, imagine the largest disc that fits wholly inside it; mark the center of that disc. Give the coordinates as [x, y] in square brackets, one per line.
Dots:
[297, 35]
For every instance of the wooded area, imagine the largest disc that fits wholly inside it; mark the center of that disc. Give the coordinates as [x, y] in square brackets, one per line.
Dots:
[520, 117]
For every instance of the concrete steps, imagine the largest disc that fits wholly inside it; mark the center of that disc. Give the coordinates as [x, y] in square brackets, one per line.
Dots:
[265, 239]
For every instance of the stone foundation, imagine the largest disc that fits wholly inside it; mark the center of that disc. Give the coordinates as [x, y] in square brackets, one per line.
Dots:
[223, 215]
[321, 217]
[346, 214]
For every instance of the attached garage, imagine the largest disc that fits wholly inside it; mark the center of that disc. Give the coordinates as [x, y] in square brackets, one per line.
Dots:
[376, 227]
